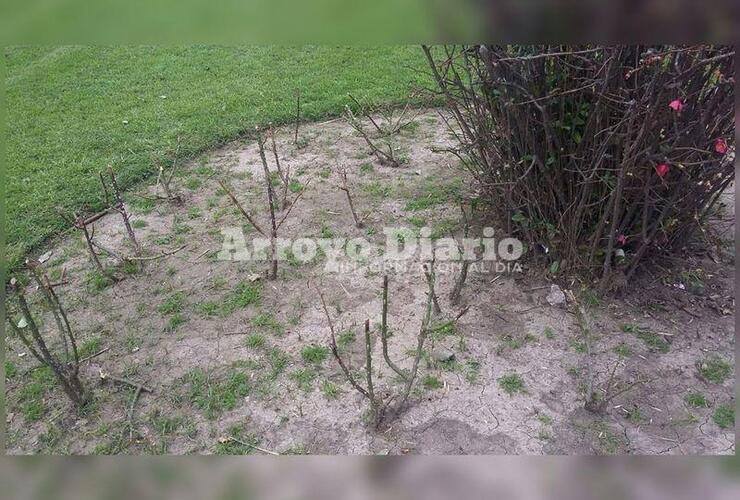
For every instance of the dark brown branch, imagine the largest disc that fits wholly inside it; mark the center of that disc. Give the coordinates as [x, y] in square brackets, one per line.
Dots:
[241, 208]
[335, 350]
[384, 331]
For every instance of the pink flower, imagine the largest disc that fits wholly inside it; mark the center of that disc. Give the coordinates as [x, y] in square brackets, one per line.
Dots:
[676, 105]
[622, 239]
[662, 170]
[720, 146]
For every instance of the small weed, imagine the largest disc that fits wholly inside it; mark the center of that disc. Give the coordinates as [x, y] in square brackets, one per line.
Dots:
[31, 395]
[166, 426]
[608, 440]
[330, 390]
[304, 377]
[443, 329]
[623, 350]
[443, 229]
[193, 183]
[236, 443]
[544, 418]
[434, 194]
[590, 297]
[417, 221]
[97, 281]
[267, 320]
[315, 354]
[194, 213]
[244, 294]
[10, 370]
[325, 172]
[366, 168]
[215, 397]
[696, 400]
[89, 347]
[129, 267]
[377, 189]
[635, 415]
[141, 205]
[543, 435]
[431, 382]
[512, 343]
[714, 370]
[652, 340]
[511, 384]
[278, 361]
[724, 416]
[208, 308]
[298, 449]
[472, 371]
[139, 224]
[346, 338]
[174, 322]
[294, 186]
[173, 304]
[578, 345]
[549, 333]
[255, 341]
[326, 232]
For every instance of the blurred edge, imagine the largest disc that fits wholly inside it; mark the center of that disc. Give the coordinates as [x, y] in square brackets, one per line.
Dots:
[329, 478]
[3, 254]
[381, 21]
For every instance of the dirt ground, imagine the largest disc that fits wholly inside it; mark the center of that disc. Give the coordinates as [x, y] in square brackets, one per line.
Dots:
[239, 364]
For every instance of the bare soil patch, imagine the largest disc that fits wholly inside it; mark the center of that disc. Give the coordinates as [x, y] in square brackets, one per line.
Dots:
[226, 354]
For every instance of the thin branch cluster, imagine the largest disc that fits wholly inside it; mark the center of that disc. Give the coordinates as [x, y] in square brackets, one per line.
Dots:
[603, 155]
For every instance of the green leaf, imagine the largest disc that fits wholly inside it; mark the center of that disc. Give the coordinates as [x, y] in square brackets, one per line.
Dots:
[554, 267]
[519, 217]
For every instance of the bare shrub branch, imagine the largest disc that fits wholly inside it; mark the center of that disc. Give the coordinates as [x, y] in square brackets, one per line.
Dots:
[592, 150]
[65, 370]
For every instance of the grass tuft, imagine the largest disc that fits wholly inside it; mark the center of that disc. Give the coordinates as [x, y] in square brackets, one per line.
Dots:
[724, 416]
[715, 370]
[511, 384]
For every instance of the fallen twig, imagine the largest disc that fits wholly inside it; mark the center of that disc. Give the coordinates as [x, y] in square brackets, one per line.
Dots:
[88, 358]
[107, 376]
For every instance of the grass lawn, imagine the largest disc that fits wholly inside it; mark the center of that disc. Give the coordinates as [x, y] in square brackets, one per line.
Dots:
[73, 110]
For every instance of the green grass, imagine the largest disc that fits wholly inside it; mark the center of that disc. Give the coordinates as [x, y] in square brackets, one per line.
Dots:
[216, 396]
[172, 304]
[652, 340]
[511, 384]
[433, 194]
[268, 321]
[304, 378]
[314, 354]
[89, 347]
[97, 281]
[236, 442]
[346, 338]
[10, 369]
[330, 389]
[696, 400]
[255, 341]
[243, 295]
[724, 416]
[512, 342]
[430, 382]
[31, 397]
[715, 370]
[623, 350]
[174, 322]
[73, 110]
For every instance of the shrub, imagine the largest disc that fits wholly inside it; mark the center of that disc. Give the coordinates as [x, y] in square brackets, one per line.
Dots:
[590, 150]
